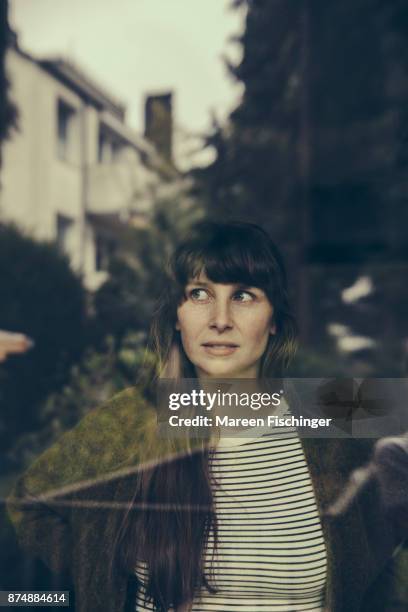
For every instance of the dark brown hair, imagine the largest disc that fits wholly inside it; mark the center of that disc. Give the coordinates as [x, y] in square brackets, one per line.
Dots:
[172, 538]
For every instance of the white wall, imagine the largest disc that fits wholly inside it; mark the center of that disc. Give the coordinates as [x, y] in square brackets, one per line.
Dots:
[37, 185]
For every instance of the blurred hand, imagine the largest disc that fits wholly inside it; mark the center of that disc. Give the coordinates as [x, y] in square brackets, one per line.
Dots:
[389, 466]
[11, 342]
[390, 462]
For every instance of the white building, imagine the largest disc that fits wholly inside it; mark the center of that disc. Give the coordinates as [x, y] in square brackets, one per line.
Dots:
[74, 170]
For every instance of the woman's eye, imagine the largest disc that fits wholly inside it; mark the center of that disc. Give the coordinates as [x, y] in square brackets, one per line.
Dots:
[244, 296]
[198, 295]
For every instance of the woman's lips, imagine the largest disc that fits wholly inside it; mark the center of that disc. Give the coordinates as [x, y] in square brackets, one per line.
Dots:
[220, 350]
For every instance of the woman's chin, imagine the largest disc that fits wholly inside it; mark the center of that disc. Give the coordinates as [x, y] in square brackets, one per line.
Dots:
[220, 372]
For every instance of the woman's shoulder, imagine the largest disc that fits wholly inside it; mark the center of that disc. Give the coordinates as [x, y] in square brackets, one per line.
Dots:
[109, 438]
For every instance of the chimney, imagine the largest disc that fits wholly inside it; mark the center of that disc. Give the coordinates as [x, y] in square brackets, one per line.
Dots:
[159, 123]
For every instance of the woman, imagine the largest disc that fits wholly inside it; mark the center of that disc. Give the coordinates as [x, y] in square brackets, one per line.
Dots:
[151, 522]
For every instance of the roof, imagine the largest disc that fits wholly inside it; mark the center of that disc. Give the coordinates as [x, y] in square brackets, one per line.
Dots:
[76, 79]
[112, 110]
[69, 73]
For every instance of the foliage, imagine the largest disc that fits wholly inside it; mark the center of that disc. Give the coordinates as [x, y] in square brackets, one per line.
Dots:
[314, 364]
[315, 109]
[44, 299]
[97, 377]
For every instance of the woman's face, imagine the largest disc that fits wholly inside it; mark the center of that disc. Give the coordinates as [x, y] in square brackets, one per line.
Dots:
[224, 328]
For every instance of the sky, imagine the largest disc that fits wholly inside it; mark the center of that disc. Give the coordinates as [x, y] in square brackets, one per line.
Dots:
[134, 47]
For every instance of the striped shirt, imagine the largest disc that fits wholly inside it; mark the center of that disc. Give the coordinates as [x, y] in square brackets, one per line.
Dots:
[271, 552]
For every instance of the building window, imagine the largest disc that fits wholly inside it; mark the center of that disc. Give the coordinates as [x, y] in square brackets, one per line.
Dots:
[64, 227]
[109, 145]
[65, 118]
[105, 249]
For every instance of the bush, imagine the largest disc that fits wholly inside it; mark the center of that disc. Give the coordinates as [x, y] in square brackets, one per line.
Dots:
[43, 298]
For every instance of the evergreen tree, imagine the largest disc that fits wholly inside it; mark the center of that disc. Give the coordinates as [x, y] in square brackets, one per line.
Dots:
[8, 112]
[316, 152]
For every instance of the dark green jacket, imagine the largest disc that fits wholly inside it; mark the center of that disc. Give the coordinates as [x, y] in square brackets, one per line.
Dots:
[68, 506]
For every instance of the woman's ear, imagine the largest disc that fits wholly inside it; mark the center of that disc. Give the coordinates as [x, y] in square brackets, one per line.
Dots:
[273, 329]
[177, 326]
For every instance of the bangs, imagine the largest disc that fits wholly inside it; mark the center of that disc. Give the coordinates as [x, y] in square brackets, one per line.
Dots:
[230, 257]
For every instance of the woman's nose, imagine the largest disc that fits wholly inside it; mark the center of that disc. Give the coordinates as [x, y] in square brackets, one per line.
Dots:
[221, 315]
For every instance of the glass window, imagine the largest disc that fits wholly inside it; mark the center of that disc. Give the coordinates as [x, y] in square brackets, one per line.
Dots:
[109, 145]
[64, 227]
[66, 116]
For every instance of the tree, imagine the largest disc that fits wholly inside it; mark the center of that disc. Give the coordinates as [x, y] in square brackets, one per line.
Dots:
[316, 151]
[8, 112]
